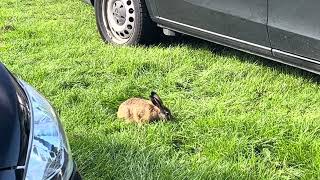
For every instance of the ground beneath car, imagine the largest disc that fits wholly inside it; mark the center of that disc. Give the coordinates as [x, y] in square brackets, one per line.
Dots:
[238, 116]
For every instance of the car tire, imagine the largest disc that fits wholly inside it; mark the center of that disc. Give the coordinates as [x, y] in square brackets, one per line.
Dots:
[125, 22]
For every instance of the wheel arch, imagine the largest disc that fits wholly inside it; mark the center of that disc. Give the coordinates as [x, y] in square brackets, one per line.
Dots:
[152, 8]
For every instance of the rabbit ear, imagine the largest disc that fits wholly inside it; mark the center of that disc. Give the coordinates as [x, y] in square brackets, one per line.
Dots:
[155, 99]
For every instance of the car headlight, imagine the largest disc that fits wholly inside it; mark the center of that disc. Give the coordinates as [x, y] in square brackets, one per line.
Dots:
[50, 155]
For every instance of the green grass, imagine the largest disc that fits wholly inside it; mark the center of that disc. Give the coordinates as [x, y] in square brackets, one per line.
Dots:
[237, 116]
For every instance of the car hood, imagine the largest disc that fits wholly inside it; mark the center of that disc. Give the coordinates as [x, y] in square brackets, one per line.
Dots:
[10, 174]
[9, 121]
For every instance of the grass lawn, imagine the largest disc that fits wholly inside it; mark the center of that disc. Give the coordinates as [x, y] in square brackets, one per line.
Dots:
[238, 116]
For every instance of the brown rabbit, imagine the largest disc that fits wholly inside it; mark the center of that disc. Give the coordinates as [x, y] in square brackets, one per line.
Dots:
[143, 111]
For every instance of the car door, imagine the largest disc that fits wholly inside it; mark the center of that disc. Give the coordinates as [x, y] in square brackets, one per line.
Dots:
[294, 27]
[244, 20]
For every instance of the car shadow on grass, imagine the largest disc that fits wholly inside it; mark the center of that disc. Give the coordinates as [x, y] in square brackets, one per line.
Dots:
[227, 52]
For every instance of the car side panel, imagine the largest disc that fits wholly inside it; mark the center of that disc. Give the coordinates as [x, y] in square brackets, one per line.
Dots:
[294, 27]
[214, 37]
[242, 19]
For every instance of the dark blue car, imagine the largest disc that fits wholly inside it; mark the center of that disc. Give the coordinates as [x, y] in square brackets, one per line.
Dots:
[33, 144]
